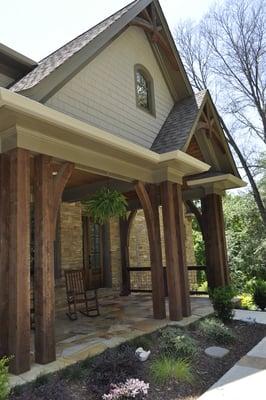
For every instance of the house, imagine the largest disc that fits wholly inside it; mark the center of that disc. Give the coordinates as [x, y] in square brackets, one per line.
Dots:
[113, 107]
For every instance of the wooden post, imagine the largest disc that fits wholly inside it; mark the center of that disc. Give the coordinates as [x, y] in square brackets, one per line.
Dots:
[171, 251]
[47, 196]
[180, 235]
[124, 228]
[150, 207]
[4, 233]
[19, 261]
[215, 245]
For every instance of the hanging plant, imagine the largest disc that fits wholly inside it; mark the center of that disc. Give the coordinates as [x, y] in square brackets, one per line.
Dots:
[105, 204]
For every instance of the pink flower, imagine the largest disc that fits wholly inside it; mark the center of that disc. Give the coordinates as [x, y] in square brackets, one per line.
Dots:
[131, 389]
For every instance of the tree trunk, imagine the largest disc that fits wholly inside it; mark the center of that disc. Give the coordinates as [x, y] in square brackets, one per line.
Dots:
[256, 193]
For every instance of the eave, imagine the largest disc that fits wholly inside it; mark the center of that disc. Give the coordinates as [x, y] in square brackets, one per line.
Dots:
[216, 183]
[30, 125]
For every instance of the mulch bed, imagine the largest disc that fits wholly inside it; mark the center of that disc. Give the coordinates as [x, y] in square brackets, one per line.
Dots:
[91, 378]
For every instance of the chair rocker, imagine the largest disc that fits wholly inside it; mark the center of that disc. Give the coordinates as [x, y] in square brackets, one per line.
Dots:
[76, 293]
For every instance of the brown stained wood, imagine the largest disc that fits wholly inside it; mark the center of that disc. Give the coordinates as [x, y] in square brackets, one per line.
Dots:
[156, 37]
[19, 261]
[59, 183]
[194, 149]
[180, 234]
[194, 209]
[4, 234]
[47, 196]
[125, 291]
[150, 207]
[216, 257]
[171, 253]
[223, 240]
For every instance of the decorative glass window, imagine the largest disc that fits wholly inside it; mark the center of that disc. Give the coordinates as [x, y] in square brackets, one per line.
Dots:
[144, 89]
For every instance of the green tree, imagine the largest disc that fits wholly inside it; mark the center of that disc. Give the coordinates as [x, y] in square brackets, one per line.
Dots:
[246, 239]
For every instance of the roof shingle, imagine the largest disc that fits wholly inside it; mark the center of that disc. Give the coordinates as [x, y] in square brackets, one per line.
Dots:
[177, 127]
[46, 66]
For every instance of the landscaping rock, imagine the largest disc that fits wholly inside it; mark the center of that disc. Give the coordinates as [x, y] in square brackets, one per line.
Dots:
[216, 352]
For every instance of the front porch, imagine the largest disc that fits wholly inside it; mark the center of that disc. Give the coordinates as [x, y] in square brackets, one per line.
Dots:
[121, 319]
[48, 157]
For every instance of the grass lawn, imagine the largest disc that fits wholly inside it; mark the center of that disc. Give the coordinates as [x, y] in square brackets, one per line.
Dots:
[178, 368]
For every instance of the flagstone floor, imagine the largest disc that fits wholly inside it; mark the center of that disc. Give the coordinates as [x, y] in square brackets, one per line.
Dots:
[121, 319]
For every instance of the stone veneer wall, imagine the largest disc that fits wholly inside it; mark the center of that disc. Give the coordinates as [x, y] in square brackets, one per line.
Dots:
[139, 249]
[71, 236]
[115, 255]
[71, 245]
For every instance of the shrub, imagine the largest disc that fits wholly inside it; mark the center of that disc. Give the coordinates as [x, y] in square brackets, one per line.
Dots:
[112, 367]
[144, 341]
[72, 373]
[246, 301]
[174, 343]
[41, 380]
[216, 331]
[131, 389]
[259, 293]
[167, 368]
[4, 386]
[222, 300]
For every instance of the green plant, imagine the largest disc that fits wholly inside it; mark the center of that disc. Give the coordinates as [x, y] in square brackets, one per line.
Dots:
[105, 204]
[174, 343]
[72, 373]
[216, 331]
[259, 293]
[222, 300]
[246, 301]
[144, 341]
[167, 368]
[41, 380]
[4, 386]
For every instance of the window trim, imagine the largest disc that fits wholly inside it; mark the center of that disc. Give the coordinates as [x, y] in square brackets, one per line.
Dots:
[151, 97]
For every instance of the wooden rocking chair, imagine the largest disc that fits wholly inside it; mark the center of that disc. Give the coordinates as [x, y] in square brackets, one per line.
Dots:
[77, 293]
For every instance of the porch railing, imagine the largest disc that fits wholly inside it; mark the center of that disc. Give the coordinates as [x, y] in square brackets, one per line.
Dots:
[140, 279]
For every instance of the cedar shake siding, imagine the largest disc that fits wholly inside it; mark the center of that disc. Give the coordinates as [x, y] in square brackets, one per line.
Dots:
[103, 92]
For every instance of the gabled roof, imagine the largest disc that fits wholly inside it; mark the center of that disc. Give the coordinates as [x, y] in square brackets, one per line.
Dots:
[177, 128]
[181, 124]
[14, 65]
[54, 70]
[48, 64]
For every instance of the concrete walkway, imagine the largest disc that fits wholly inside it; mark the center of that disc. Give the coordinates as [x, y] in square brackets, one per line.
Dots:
[247, 378]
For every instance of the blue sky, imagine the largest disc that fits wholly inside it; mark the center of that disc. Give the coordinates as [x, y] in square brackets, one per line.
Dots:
[36, 28]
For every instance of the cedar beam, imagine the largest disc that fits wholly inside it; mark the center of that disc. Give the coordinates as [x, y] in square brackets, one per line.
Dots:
[171, 253]
[4, 233]
[180, 235]
[150, 207]
[215, 244]
[19, 261]
[47, 196]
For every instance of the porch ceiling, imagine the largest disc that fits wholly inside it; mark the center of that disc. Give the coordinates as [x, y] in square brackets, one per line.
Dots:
[40, 129]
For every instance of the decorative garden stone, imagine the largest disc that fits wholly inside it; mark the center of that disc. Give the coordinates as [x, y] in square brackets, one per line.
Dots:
[216, 351]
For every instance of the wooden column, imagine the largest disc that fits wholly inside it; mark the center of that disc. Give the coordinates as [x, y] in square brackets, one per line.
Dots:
[149, 204]
[180, 235]
[4, 233]
[215, 245]
[19, 261]
[171, 251]
[124, 228]
[48, 190]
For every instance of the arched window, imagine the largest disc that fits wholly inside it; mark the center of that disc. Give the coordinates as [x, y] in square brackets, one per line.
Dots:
[144, 89]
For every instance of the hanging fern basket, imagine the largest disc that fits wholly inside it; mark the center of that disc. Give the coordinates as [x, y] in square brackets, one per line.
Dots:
[105, 204]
